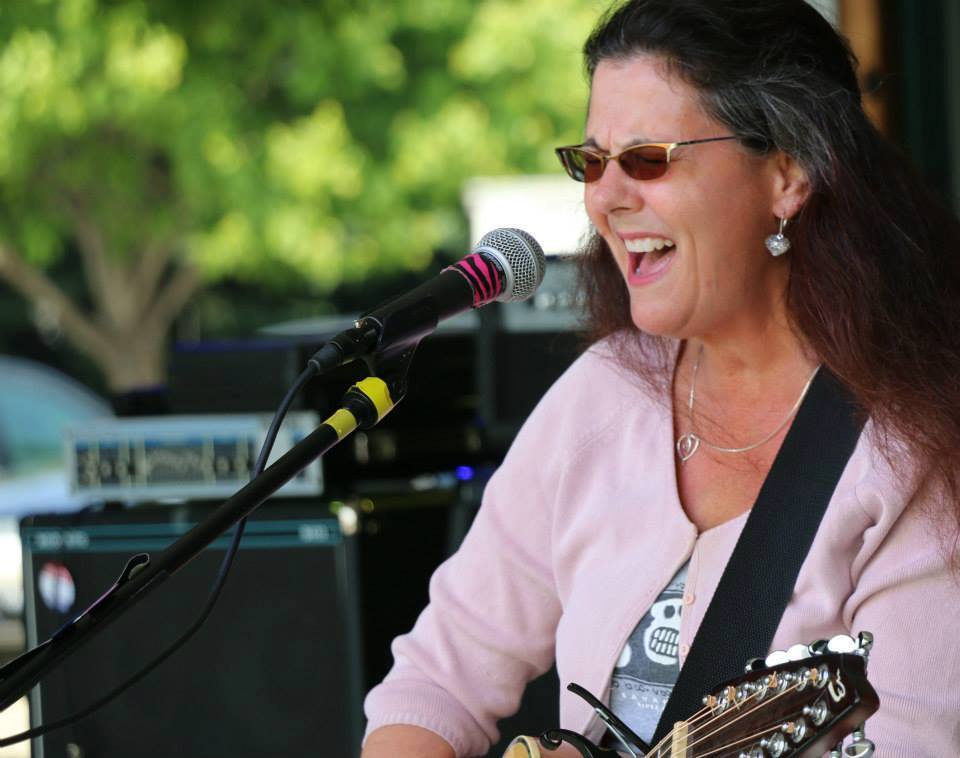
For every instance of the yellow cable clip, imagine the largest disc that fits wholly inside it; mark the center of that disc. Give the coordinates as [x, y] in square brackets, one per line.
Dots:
[377, 392]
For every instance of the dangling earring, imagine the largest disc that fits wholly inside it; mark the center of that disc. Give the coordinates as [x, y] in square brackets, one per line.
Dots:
[777, 244]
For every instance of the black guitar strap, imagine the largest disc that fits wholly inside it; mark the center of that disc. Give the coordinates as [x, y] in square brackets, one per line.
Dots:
[763, 568]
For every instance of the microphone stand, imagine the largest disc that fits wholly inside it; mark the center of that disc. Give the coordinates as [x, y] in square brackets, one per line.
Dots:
[364, 404]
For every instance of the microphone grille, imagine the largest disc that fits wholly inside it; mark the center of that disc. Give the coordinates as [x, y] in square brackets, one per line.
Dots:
[523, 260]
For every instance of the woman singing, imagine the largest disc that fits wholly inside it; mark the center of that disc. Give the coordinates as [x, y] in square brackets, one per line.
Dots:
[750, 228]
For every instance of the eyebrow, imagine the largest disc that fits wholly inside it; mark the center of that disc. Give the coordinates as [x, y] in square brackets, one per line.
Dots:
[592, 143]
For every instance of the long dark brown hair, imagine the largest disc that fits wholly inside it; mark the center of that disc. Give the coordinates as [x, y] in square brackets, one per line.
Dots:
[874, 285]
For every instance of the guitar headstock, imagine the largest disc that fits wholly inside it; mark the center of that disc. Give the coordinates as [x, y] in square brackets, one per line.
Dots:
[797, 703]
[795, 708]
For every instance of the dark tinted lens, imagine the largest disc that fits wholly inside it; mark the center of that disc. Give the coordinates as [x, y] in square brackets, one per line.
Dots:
[581, 165]
[592, 166]
[644, 162]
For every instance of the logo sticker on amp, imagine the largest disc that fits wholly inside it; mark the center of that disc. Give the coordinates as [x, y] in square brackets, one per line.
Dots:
[56, 587]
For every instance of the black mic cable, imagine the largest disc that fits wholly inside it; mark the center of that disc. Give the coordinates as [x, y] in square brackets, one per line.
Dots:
[506, 265]
[225, 565]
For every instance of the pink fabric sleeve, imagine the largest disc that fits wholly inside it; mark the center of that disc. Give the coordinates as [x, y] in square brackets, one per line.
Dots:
[493, 613]
[488, 630]
[906, 593]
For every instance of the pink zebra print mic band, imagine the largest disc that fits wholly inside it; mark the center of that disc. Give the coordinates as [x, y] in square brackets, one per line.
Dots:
[484, 275]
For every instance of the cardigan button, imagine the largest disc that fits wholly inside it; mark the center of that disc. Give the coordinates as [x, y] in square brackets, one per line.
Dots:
[688, 598]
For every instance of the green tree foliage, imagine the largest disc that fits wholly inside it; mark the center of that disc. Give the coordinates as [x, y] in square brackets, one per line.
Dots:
[168, 143]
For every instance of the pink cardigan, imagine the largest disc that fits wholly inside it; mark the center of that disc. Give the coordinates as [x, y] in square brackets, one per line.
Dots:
[580, 530]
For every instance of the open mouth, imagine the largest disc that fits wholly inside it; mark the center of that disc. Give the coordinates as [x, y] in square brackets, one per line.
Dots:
[649, 255]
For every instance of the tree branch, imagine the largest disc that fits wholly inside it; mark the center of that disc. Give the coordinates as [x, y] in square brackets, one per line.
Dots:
[37, 287]
[146, 277]
[106, 283]
[172, 298]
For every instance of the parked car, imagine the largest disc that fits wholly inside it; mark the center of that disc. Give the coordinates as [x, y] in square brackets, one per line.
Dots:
[36, 404]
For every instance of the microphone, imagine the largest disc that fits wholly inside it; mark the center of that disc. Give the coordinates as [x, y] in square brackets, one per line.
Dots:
[506, 265]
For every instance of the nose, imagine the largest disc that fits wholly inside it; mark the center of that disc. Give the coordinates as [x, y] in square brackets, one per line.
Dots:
[613, 191]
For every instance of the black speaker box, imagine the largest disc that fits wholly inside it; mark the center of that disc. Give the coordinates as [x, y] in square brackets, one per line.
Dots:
[471, 383]
[274, 671]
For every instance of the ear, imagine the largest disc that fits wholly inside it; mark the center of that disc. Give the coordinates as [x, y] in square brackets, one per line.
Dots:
[791, 186]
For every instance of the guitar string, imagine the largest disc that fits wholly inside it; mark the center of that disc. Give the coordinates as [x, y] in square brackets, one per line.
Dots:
[752, 711]
[761, 704]
[717, 718]
[772, 727]
[704, 712]
[821, 696]
[732, 745]
[697, 716]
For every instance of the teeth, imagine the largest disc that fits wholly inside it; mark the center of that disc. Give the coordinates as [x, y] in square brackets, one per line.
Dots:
[647, 244]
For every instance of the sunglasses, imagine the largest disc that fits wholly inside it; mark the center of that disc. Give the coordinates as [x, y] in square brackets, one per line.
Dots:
[647, 161]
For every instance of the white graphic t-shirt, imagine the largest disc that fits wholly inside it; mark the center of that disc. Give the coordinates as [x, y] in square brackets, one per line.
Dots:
[647, 670]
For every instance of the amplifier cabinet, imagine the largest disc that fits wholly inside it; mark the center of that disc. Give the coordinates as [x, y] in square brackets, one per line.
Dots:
[274, 671]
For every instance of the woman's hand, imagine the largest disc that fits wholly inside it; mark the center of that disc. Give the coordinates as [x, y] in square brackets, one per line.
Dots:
[404, 741]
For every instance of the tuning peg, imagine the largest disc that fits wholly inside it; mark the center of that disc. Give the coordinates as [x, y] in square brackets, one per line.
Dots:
[798, 652]
[754, 664]
[777, 658]
[818, 647]
[842, 643]
[861, 747]
[776, 744]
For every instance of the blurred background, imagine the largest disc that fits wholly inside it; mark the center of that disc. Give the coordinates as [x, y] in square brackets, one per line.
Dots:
[193, 195]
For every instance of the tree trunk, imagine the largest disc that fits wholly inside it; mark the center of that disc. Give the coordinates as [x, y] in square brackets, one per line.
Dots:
[136, 363]
[126, 335]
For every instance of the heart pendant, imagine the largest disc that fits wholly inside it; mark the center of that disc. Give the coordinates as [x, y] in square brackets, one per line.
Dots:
[687, 445]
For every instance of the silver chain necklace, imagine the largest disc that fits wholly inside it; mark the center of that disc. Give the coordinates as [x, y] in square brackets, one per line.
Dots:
[689, 443]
